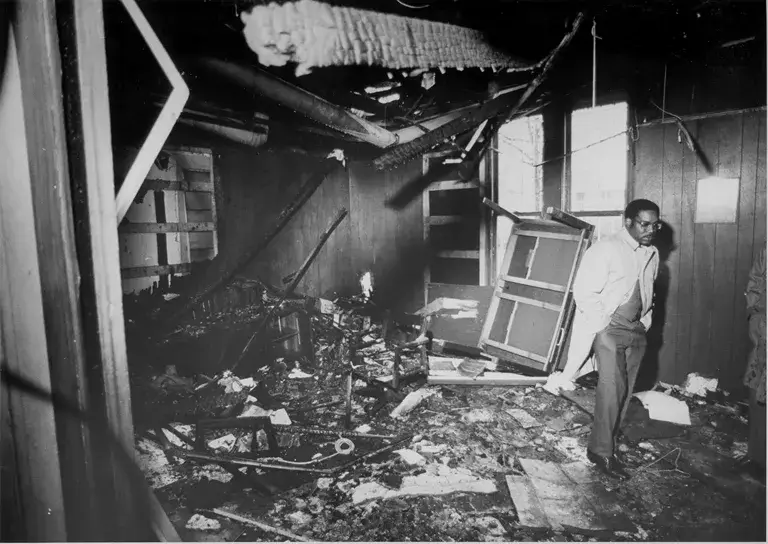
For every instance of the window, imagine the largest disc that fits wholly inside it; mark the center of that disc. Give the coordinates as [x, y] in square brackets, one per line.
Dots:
[598, 173]
[519, 181]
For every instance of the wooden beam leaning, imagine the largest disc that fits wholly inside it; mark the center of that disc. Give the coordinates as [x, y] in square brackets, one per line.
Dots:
[501, 211]
[305, 192]
[295, 282]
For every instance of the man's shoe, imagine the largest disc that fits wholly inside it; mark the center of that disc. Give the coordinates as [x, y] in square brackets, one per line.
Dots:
[608, 465]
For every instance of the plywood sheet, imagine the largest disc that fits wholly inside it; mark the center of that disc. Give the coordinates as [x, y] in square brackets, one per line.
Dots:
[465, 332]
[529, 510]
[563, 501]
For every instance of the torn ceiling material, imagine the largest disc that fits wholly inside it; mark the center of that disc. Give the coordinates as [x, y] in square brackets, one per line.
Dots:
[314, 34]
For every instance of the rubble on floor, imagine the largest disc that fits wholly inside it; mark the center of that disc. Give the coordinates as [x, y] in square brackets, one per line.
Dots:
[289, 454]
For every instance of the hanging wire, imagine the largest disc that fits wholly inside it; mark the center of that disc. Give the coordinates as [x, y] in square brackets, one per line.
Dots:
[412, 6]
[564, 155]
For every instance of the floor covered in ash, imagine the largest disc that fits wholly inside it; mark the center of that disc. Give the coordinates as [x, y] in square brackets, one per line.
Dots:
[466, 464]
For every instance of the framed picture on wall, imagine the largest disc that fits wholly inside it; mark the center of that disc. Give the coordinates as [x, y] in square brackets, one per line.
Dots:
[717, 200]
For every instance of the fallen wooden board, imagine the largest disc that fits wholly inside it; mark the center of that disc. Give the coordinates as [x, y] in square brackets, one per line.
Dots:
[529, 511]
[487, 379]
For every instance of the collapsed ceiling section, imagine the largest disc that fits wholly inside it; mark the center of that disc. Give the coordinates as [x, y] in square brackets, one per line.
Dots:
[312, 34]
[383, 73]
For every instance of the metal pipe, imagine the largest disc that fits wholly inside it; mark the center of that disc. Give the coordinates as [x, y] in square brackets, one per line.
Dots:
[238, 135]
[302, 102]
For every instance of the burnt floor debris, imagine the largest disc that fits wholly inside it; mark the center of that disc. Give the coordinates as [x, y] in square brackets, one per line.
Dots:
[330, 430]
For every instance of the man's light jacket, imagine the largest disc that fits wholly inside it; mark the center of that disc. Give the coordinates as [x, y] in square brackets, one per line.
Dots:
[605, 280]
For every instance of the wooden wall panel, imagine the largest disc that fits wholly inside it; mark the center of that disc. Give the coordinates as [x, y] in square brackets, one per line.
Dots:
[745, 236]
[647, 174]
[671, 203]
[256, 187]
[726, 294]
[387, 242]
[703, 322]
[330, 274]
[684, 282]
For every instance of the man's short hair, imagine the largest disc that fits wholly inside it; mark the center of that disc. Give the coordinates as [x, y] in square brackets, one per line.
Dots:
[640, 205]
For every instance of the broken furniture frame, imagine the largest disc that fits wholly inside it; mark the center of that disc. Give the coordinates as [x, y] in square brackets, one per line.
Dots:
[532, 304]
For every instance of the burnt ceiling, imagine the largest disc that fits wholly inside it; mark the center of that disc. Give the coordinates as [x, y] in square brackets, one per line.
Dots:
[668, 31]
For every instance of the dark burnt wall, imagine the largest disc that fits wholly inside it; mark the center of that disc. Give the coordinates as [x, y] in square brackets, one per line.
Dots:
[256, 186]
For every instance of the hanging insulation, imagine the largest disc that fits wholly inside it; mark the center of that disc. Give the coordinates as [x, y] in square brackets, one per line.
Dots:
[313, 34]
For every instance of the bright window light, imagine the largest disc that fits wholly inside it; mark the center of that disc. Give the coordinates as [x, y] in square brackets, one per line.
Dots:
[520, 145]
[599, 158]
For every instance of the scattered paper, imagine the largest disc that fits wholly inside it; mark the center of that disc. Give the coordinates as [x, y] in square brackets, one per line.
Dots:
[525, 419]
[364, 429]
[412, 401]
[557, 383]
[297, 373]
[224, 443]
[253, 410]
[411, 458]
[202, 523]
[280, 417]
[696, 384]
[662, 407]
[327, 306]
[437, 479]
[324, 483]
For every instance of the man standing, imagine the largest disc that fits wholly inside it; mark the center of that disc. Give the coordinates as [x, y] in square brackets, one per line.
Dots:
[754, 377]
[613, 291]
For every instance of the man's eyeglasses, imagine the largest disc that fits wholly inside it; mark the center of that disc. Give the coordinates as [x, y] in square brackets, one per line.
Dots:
[645, 225]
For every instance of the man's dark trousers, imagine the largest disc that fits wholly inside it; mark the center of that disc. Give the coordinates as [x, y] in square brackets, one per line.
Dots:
[619, 350]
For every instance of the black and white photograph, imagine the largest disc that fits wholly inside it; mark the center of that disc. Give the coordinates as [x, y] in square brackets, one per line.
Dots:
[383, 270]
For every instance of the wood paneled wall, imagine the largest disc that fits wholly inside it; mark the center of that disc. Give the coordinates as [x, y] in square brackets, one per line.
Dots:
[700, 321]
[389, 243]
[257, 185]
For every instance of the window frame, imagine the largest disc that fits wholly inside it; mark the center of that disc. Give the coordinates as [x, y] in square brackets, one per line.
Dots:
[566, 185]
